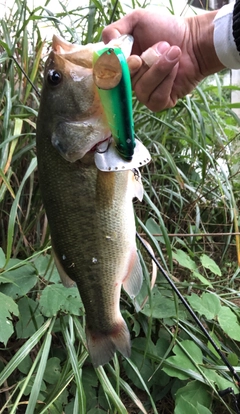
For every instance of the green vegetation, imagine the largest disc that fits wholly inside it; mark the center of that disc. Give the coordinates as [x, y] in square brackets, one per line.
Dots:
[189, 216]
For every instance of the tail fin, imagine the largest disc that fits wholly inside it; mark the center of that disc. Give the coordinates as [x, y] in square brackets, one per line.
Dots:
[101, 345]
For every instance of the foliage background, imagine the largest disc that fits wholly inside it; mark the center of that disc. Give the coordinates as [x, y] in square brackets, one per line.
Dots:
[189, 216]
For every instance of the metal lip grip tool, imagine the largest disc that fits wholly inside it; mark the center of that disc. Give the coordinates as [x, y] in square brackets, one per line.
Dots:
[112, 78]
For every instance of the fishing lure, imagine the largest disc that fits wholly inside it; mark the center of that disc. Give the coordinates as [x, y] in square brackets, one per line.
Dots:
[111, 76]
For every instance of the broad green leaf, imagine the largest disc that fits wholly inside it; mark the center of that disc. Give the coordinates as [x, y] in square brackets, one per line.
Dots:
[7, 308]
[21, 281]
[184, 259]
[58, 406]
[232, 358]
[25, 365]
[89, 377]
[143, 383]
[162, 344]
[46, 268]
[143, 364]
[195, 392]
[69, 407]
[143, 344]
[181, 363]
[154, 229]
[219, 381]
[90, 383]
[202, 279]
[183, 406]
[161, 306]
[28, 388]
[229, 323]
[208, 304]
[52, 371]
[30, 318]
[201, 409]
[56, 298]
[210, 264]
[12, 264]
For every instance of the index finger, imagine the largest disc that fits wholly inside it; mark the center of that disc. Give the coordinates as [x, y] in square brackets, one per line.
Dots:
[123, 26]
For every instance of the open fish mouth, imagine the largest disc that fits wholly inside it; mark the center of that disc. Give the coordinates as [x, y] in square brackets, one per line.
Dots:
[102, 146]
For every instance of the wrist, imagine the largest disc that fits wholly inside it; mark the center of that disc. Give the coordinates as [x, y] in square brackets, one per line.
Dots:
[202, 39]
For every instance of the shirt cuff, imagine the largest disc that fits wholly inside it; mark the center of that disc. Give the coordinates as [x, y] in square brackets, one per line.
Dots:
[223, 39]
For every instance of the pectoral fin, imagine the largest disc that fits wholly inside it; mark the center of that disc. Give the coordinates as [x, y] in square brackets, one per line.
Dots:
[66, 280]
[138, 189]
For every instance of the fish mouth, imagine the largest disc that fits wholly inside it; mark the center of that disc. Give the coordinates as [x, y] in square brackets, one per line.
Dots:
[102, 146]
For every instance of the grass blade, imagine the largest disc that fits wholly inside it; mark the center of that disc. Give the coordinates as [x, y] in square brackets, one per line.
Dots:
[109, 390]
[41, 368]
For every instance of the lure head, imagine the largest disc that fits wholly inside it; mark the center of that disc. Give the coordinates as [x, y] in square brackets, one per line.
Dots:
[107, 62]
[107, 69]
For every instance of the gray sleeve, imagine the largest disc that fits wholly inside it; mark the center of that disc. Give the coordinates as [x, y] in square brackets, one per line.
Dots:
[226, 38]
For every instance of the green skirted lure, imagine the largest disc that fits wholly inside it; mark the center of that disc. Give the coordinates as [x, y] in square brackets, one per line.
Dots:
[112, 77]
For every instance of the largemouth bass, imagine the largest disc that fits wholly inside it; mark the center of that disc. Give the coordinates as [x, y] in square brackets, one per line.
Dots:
[90, 212]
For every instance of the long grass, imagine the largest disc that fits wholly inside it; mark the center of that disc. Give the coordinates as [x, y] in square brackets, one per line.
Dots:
[189, 216]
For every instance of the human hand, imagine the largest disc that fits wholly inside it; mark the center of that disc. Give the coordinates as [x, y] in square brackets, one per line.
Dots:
[178, 53]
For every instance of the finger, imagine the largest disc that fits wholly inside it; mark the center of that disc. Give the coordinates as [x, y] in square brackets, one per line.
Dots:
[134, 64]
[153, 78]
[149, 57]
[163, 96]
[143, 69]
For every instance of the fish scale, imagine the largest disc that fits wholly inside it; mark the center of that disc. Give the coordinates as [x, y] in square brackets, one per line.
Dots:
[90, 212]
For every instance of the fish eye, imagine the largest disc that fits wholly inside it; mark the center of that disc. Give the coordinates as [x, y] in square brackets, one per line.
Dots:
[54, 77]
